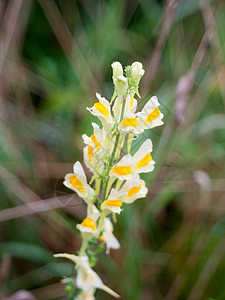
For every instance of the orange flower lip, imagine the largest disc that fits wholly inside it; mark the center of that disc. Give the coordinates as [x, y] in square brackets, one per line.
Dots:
[102, 109]
[134, 190]
[89, 223]
[95, 141]
[116, 203]
[153, 115]
[74, 181]
[122, 170]
[132, 122]
[90, 152]
[144, 161]
[101, 239]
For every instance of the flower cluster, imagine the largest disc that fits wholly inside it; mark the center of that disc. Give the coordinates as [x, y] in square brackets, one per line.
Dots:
[116, 178]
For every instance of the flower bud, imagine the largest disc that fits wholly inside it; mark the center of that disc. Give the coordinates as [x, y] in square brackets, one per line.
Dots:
[117, 70]
[137, 72]
[121, 85]
[120, 81]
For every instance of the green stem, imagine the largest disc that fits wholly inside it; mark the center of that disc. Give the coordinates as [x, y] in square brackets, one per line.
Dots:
[103, 215]
[82, 250]
[109, 168]
[112, 157]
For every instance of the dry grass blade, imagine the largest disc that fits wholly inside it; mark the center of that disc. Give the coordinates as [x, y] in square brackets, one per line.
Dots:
[67, 43]
[207, 272]
[168, 18]
[9, 28]
[36, 207]
[5, 267]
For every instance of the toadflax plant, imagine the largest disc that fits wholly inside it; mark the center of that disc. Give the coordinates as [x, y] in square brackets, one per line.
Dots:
[115, 179]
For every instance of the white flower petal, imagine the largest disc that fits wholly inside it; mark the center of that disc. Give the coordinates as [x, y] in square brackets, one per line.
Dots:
[146, 147]
[78, 169]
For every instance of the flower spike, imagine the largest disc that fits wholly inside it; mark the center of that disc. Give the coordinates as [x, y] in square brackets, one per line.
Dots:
[115, 180]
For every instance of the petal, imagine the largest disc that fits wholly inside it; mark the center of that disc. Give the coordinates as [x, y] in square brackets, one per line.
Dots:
[145, 148]
[78, 169]
[152, 103]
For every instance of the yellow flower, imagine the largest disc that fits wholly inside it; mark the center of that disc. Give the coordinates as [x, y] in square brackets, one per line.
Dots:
[77, 182]
[133, 190]
[90, 158]
[142, 159]
[113, 203]
[130, 124]
[88, 230]
[87, 225]
[86, 295]
[102, 110]
[141, 162]
[87, 279]
[96, 139]
[96, 149]
[150, 116]
[123, 169]
[108, 237]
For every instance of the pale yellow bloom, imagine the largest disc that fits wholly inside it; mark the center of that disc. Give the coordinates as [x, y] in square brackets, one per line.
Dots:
[90, 158]
[87, 279]
[142, 159]
[86, 295]
[133, 190]
[150, 116]
[123, 169]
[130, 106]
[96, 149]
[77, 182]
[141, 162]
[102, 110]
[113, 203]
[88, 225]
[108, 237]
[130, 124]
[96, 139]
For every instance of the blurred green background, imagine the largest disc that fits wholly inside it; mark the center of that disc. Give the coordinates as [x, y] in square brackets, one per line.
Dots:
[54, 56]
